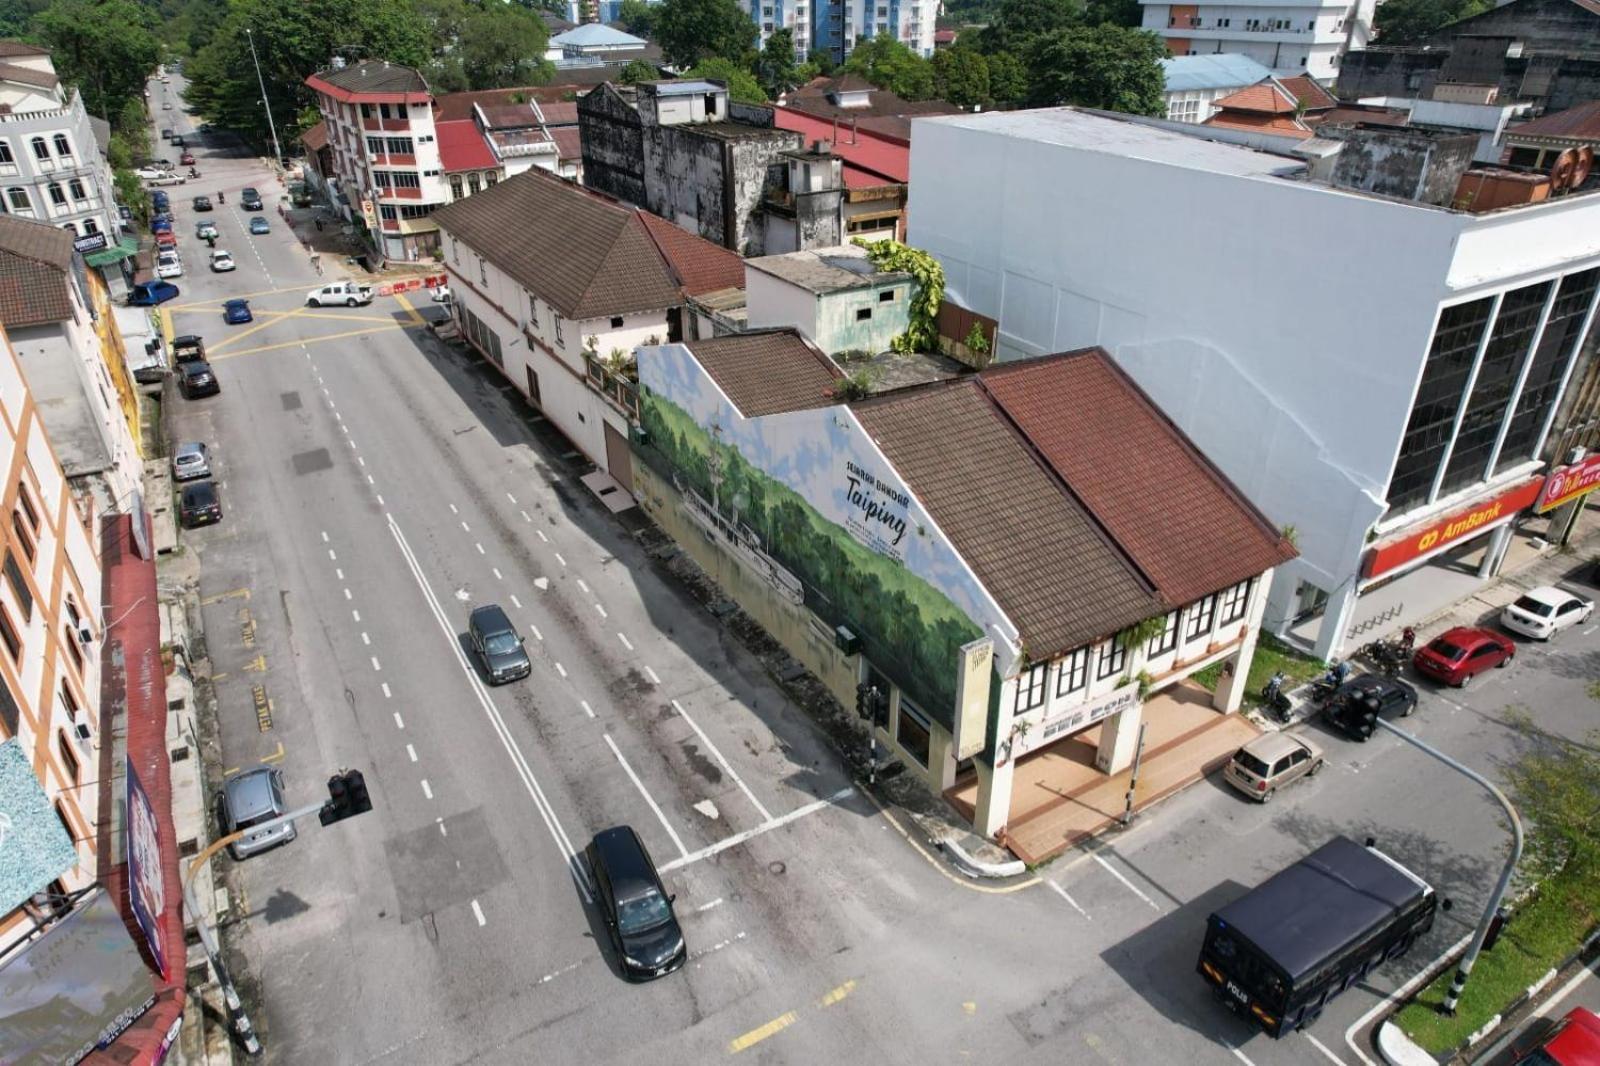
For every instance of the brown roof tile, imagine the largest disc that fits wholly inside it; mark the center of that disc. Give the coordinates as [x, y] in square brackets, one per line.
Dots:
[1180, 519]
[1580, 123]
[375, 76]
[17, 48]
[766, 372]
[1041, 555]
[701, 266]
[1309, 92]
[316, 138]
[1264, 97]
[586, 255]
[42, 79]
[34, 258]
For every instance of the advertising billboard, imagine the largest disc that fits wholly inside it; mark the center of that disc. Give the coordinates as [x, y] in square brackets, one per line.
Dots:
[146, 889]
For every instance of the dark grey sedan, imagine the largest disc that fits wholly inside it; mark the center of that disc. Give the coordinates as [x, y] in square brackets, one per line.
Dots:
[498, 645]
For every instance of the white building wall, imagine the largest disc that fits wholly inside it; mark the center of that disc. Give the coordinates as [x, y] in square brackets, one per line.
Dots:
[1287, 38]
[771, 301]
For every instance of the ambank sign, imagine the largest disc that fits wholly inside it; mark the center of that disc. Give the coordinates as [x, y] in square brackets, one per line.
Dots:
[1458, 525]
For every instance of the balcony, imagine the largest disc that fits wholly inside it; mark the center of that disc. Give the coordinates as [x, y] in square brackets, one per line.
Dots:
[386, 159]
[399, 194]
[617, 386]
[380, 124]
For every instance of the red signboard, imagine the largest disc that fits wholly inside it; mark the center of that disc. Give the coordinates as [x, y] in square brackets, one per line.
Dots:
[1458, 525]
[1567, 483]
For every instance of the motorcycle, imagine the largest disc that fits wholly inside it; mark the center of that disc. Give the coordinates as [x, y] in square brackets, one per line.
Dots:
[193, 173]
[1391, 653]
[1323, 688]
[1276, 700]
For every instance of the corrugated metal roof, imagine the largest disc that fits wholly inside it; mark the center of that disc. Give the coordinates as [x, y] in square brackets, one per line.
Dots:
[595, 34]
[1224, 70]
[1580, 123]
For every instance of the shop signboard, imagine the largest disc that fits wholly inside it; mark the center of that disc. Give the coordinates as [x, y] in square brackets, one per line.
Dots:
[1066, 722]
[1567, 483]
[1456, 526]
[973, 680]
[146, 887]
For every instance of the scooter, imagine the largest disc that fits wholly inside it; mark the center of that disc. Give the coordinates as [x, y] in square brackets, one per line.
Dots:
[1389, 655]
[193, 173]
[1323, 688]
[1276, 700]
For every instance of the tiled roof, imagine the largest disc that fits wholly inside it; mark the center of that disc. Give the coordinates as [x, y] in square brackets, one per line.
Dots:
[505, 116]
[34, 258]
[452, 106]
[1052, 570]
[813, 99]
[586, 255]
[1278, 125]
[375, 76]
[1580, 123]
[1309, 92]
[569, 142]
[766, 372]
[17, 48]
[559, 112]
[1265, 98]
[700, 265]
[1182, 521]
[316, 138]
[42, 79]
[462, 147]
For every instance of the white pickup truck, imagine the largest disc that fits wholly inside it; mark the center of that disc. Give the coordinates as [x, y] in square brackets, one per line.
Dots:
[347, 293]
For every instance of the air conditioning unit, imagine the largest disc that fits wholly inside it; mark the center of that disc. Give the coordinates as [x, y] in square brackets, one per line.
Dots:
[85, 635]
[82, 729]
[846, 641]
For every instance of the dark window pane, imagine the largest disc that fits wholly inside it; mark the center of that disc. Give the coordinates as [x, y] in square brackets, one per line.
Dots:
[1444, 379]
[19, 586]
[10, 714]
[1557, 348]
[1491, 393]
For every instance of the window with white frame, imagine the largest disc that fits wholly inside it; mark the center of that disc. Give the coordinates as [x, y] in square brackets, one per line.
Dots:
[483, 271]
[1200, 615]
[58, 195]
[6, 158]
[63, 146]
[41, 150]
[90, 227]
[1165, 640]
[1235, 602]
[17, 200]
[1030, 688]
[1072, 675]
[75, 187]
[1113, 656]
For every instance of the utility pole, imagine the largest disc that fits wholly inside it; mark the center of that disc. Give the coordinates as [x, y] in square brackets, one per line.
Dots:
[277, 152]
[1464, 968]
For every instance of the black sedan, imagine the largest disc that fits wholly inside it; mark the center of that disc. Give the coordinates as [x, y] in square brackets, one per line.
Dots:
[1355, 708]
[199, 380]
[202, 203]
[199, 505]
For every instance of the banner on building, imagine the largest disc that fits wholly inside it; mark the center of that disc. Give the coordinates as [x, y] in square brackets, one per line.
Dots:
[1567, 483]
[73, 990]
[1456, 526]
[94, 242]
[973, 680]
[1031, 735]
[35, 848]
[146, 885]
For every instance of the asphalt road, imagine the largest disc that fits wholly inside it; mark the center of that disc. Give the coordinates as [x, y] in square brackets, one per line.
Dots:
[377, 486]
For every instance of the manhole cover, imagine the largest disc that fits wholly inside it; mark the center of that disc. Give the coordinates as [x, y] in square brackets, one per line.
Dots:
[777, 868]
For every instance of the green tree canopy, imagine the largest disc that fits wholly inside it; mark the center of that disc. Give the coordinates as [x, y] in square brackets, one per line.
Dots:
[1407, 21]
[501, 45]
[1018, 23]
[888, 64]
[637, 17]
[742, 85]
[637, 70]
[961, 76]
[775, 66]
[692, 30]
[107, 48]
[1008, 79]
[1099, 66]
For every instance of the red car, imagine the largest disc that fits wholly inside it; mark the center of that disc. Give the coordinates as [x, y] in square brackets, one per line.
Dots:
[1572, 1041]
[1458, 655]
[186, 159]
[166, 239]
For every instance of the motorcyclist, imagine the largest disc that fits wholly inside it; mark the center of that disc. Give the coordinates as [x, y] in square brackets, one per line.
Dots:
[220, 200]
[193, 173]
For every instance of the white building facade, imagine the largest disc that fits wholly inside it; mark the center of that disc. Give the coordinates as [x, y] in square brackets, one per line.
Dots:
[833, 26]
[1388, 403]
[1309, 37]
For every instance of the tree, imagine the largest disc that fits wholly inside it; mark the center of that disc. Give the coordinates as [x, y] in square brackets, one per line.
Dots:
[637, 70]
[1129, 13]
[1100, 66]
[104, 47]
[888, 64]
[961, 76]
[637, 17]
[1018, 23]
[1008, 80]
[742, 85]
[1408, 21]
[775, 66]
[500, 45]
[691, 30]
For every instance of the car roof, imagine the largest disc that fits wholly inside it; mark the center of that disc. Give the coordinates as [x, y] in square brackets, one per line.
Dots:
[491, 617]
[1270, 747]
[192, 447]
[200, 488]
[250, 793]
[197, 366]
[1579, 1037]
[627, 863]
[234, 303]
[1550, 594]
[187, 338]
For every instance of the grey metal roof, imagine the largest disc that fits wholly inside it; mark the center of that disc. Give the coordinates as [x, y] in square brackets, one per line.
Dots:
[826, 270]
[1222, 70]
[685, 88]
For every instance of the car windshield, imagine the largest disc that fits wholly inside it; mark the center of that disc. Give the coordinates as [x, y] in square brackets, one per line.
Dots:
[642, 912]
[501, 644]
[1533, 606]
[1448, 650]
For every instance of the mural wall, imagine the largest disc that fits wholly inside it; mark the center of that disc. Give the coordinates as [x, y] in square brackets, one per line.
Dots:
[808, 502]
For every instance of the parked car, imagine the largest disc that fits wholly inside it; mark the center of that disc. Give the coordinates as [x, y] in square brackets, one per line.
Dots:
[151, 293]
[166, 239]
[198, 379]
[206, 229]
[188, 348]
[202, 203]
[498, 645]
[249, 798]
[1458, 655]
[221, 262]
[160, 202]
[186, 159]
[259, 225]
[166, 135]
[1571, 1040]
[1543, 612]
[199, 505]
[1271, 761]
[151, 173]
[161, 223]
[235, 312]
[347, 293]
[191, 461]
[150, 176]
[1354, 708]
[169, 265]
[634, 905]
[249, 198]
[167, 106]
[177, 140]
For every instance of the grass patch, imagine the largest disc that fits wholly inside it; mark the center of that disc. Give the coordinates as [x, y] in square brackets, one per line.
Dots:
[1594, 690]
[1271, 656]
[1539, 936]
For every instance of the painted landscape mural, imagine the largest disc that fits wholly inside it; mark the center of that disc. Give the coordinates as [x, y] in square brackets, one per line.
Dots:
[806, 498]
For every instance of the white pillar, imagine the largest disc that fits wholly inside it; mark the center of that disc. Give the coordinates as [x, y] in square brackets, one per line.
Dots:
[1119, 735]
[1495, 553]
[1335, 620]
[994, 798]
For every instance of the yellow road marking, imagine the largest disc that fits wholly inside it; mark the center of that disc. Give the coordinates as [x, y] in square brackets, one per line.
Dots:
[256, 665]
[346, 316]
[219, 597]
[272, 320]
[411, 312]
[755, 1036]
[837, 994]
[309, 340]
[167, 332]
[275, 756]
[230, 771]
[970, 1007]
[241, 296]
[217, 677]
[995, 890]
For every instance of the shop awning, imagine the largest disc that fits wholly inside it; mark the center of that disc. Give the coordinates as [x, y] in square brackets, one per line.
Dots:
[114, 253]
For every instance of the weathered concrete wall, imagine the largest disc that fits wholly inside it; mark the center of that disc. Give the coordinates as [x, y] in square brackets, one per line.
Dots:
[612, 140]
[818, 219]
[751, 115]
[757, 165]
[841, 327]
[684, 180]
[1405, 163]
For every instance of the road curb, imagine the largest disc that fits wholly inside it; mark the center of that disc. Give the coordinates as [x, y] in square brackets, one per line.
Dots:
[1396, 1048]
[973, 867]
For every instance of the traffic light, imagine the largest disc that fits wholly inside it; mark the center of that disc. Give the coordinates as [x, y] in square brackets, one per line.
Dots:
[347, 797]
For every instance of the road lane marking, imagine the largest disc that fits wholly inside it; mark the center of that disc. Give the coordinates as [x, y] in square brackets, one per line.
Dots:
[453, 509]
[1240, 1056]
[1421, 977]
[475, 544]
[442, 830]
[381, 503]
[477, 912]
[290, 344]
[333, 556]
[269, 319]
[536, 634]
[375, 664]
[426, 790]
[1063, 894]
[696, 956]
[626, 643]
[324, 536]
[516, 602]
[766, 827]
[602, 611]
[766, 815]
[338, 572]
[512, 498]
[762, 1032]
[465, 527]
[1323, 1048]
[398, 722]
[943, 868]
[708, 906]
[586, 708]
[347, 595]
[671, 832]
[562, 670]
[411, 752]
[582, 586]
[219, 597]
[365, 639]
[1131, 887]
[560, 560]
[387, 694]
[541, 533]
[836, 994]
[651, 674]
[275, 756]
[355, 614]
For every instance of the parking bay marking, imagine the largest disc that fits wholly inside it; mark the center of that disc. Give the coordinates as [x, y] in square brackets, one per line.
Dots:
[258, 696]
[671, 832]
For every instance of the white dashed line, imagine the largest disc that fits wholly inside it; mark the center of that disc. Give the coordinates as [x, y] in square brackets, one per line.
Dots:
[355, 614]
[536, 634]
[626, 643]
[497, 576]
[651, 674]
[366, 639]
[426, 789]
[477, 912]
[387, 694]
[332, 555]
[324, 536]
[1070, 901]
[512, 498]
[1131, 887]
[671, 832]
[411, 752]
[516, 602]
[338, 572]
[525, 517]
[475, 544]
[360, 461]
[602, 611]
[370, 481]
[586, 708]
[453, 509]
[465, 526]
[766, 815]
[707, 906]
[375, 664]
[562, 670]
[542, 536]
[399, 723]
[381, 503]
[560, 560]
[442, 830]
[347, 595]
[1320, 1046]
[582, 586]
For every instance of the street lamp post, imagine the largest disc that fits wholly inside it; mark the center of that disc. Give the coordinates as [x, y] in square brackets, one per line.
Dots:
[277, 152]
[1464, 968]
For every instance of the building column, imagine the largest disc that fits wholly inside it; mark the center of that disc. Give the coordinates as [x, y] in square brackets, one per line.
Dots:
[994, 798]
[1119, 736]
[1235, 675]
[1499, 540]
[1335, 620]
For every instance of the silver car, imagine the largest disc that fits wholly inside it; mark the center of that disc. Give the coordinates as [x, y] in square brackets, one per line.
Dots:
[191, 461]
[1271, 761]
[249, 798]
